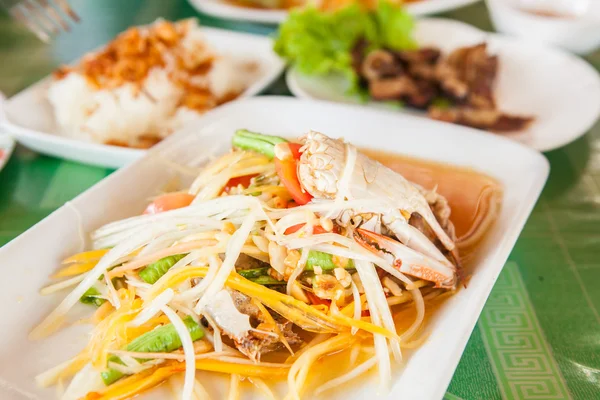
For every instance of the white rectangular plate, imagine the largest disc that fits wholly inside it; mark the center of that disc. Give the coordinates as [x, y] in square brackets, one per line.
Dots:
[27, 261]
[30, 119]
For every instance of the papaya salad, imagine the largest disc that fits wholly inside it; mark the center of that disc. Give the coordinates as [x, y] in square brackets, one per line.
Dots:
[278, 255]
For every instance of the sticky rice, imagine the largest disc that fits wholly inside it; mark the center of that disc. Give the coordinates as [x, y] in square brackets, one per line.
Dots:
[145, 84]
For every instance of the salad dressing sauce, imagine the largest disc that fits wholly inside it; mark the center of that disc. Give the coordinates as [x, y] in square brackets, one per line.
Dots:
[329, 367]
[472, 196]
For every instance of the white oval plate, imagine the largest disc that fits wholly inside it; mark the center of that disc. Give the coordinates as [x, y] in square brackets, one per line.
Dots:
[7, 144]
[224, 9]
[29, 116]
[424, 373]
[559, 89]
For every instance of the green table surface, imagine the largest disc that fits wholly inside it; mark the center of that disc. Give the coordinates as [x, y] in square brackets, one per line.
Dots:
[539, 334]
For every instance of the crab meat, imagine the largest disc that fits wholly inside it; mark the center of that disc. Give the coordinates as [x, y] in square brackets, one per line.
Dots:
[320, 172]
[407, 260]
[235, 314]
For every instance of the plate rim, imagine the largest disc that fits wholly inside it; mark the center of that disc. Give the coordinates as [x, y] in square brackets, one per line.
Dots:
[7, 143]
[125, 155]
[220, 9]
[292, 73]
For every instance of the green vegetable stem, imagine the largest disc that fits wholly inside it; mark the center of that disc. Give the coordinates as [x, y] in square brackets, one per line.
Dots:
[156, 270]
[263, 144]
[163, 339]
[260, 276]
[92, 296]
[325, 261]
[254, 272]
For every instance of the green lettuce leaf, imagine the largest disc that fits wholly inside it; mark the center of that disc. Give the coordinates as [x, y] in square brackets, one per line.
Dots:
[394, 27]
[320, 43]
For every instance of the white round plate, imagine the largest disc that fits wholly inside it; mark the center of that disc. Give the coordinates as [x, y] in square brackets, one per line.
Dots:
[30, 118]
[560, 90]
[7, 144]
[225, 9]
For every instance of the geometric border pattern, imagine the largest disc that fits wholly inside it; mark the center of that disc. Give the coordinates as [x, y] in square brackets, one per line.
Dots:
[450, 396]
[518, 352]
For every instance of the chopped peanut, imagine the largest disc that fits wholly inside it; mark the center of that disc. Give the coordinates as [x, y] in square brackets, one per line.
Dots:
[291, 262]
[276, 275]
[326, 224]
[327, 287]
[277, 202]
[343, 277]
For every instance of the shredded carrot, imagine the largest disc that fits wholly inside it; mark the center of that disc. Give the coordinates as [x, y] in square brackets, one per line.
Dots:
[102, 312]
[256, 370]
[278, 302]
[321, 307]
[134, 332]
[111, 332]
[86, 256]
[348, 311]
[135, 384]
[74, 269]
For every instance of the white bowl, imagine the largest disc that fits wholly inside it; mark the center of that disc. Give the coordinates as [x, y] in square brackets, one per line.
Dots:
[575, 28]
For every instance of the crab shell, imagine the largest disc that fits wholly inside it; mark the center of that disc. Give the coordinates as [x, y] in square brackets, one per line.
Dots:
[321, 166]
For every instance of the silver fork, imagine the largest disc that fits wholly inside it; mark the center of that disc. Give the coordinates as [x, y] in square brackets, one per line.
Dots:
[45, 18]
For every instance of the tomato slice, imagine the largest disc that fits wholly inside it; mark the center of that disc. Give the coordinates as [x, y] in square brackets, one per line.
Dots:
[295, 149]
[240, 180]
[169, 201]
[316, 300]
[287, 171]
[317, 229]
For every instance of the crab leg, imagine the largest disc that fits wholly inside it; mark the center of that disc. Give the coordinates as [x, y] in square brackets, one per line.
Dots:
[412, 237]
[407, 260]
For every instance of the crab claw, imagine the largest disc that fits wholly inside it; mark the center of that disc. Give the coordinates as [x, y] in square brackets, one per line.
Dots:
[407, 260]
